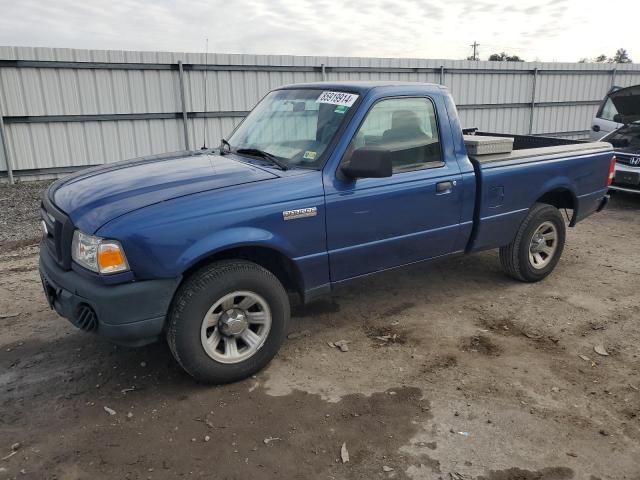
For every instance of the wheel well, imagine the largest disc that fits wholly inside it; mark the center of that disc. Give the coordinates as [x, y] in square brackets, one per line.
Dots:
[560, 198]
[273, 260]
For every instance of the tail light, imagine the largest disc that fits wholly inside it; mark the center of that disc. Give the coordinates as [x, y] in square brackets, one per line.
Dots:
[612, 170]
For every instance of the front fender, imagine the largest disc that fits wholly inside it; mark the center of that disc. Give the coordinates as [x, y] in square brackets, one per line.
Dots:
[232, 238]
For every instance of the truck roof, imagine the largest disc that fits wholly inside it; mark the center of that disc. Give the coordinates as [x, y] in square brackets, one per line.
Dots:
[363, 87]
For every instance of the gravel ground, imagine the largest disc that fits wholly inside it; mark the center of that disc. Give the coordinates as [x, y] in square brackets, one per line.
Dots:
[454, 372]
[19, 213]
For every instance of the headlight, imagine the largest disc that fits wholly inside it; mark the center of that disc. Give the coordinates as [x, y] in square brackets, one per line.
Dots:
[98, 254]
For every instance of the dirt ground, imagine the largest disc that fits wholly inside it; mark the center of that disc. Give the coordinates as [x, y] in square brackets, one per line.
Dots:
[453, 372]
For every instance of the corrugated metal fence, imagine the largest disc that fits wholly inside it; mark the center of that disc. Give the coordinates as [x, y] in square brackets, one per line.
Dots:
[64, 109]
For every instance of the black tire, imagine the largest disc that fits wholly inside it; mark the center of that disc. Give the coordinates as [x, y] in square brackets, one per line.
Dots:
[198, 294]
[515, 258]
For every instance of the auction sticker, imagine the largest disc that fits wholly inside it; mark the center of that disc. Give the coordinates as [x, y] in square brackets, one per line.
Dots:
[337, 98]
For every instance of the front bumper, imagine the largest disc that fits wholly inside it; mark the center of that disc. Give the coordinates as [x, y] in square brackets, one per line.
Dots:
[131, 313]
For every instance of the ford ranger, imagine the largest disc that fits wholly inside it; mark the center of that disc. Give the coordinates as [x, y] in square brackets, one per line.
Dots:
[320, 184]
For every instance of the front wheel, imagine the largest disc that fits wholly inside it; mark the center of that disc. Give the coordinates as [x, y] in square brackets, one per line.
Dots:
[227, 321]
[537, 246]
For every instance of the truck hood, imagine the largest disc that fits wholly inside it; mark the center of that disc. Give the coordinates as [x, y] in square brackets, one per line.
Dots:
[95, 196]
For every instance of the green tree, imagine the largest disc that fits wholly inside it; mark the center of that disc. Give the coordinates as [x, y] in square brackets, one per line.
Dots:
[621, 56]
[504, 57]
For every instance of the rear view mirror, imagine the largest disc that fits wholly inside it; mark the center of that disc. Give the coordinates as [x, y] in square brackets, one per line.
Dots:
[299, 107]
[369, 162]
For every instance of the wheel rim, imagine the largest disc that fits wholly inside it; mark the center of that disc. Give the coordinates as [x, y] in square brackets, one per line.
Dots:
[543, 245]
[235, 327]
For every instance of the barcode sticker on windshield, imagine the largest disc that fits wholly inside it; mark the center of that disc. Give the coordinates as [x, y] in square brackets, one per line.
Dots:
[337, 98]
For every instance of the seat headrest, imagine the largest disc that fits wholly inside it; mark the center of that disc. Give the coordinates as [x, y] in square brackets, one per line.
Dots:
[402, 119]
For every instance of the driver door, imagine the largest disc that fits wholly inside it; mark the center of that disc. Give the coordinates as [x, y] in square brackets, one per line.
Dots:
[379, 223]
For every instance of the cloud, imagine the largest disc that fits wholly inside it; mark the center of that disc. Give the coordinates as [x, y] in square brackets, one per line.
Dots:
[378, 28]
[510, 9]
[531, 10]
[428, 9]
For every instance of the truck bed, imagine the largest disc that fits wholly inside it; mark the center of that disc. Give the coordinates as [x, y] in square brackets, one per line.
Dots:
[507, 184]
[530, 148]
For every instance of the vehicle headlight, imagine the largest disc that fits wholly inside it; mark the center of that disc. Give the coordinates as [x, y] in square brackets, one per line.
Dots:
[98, 254]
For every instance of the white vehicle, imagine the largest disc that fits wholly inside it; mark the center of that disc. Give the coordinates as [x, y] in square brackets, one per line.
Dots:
[619, 107]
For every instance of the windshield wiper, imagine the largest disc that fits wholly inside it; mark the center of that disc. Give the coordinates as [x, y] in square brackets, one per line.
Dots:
[254, 152]
[224, 143]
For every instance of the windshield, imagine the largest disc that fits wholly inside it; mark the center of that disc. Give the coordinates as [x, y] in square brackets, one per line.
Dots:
[626, 137]
[296, 126]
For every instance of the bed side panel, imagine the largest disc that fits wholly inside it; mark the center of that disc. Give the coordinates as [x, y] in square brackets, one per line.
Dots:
[510, 188]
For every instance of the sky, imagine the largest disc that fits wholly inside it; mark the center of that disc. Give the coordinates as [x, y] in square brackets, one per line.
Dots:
[543, 30]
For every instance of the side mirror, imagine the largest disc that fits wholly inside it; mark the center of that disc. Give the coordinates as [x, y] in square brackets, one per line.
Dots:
[618, 118]
[368, 162]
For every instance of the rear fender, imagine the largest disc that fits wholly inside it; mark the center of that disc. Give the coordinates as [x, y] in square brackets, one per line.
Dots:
[561, 183]
[558, 183]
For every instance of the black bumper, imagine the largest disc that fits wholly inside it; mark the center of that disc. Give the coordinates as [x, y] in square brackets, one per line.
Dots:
[131, 313]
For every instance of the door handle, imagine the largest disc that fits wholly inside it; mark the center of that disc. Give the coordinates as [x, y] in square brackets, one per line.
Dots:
[596, 128]
[445, 187]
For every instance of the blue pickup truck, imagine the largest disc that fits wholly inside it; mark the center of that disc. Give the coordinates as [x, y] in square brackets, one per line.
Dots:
[320, 184]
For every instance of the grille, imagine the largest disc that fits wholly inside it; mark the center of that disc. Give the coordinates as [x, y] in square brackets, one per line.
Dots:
[59, 233]
[628, 160]
[86, 318]
[49, 234]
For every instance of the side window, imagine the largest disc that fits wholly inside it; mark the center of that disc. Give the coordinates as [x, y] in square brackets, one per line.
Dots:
[609, 110]
[405, 126]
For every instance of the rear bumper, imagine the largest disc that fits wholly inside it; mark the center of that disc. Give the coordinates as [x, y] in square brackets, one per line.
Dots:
[626, 179]
[132, 313]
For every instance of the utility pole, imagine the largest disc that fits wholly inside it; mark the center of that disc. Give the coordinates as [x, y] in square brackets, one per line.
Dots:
[475, 46]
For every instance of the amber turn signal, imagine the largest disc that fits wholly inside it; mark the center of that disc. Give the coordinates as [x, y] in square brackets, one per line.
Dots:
[111, 258]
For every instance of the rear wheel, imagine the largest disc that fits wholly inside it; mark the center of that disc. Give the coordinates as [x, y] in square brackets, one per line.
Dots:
[537, 246]
[227, 321]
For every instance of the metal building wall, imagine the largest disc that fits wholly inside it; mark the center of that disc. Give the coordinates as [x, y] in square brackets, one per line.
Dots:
[65, 109]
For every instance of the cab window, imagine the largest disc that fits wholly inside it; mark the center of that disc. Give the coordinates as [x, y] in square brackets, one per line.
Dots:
[405, 126]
